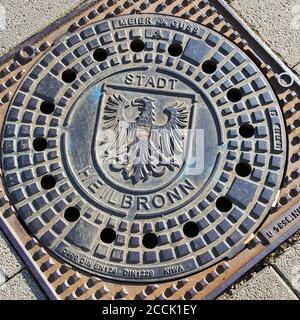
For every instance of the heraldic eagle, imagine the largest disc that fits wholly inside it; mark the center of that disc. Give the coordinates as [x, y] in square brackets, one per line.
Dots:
[140, 148]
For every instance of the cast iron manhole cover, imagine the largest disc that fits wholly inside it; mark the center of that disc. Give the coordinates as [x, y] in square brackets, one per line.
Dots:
[143, 148]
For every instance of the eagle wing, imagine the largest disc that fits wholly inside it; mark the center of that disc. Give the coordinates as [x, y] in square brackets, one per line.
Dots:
[168, 139]
[120, 129]
[113, 112]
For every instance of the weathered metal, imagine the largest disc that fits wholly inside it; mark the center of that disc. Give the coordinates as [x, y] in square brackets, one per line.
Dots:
[183, 81]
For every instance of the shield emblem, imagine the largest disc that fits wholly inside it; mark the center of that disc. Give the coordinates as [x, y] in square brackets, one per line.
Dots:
[142, 134]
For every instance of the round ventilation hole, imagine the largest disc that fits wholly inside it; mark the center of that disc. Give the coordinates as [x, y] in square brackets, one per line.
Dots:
[100, 55]
[247, 130]
[108, 235]
[137, 45]
[175, 49]
[243, 169]
[48, 182]
[224, 204]
[39, 144]
[235, 95]
[191, 229]
[209, 66]
[47, 107]
[72, 214]
[69, 76]
[150, 241]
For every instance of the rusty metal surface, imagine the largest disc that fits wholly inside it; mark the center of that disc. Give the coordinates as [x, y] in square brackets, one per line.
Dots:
[84, 245]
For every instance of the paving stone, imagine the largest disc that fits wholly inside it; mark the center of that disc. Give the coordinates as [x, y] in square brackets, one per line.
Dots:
[10, 262]
[21, 287]
[266, 285]
[297, 69]
[277, 22]
[288, 266]
[27, 17]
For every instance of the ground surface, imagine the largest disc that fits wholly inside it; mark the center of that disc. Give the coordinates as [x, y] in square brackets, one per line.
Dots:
[24, 18]
[278, 24]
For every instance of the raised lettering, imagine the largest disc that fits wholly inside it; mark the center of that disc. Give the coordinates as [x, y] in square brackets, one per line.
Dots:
[142, 203]
[158, 201]
[174, 196]
[187, 186]
[127, 202]
[129, 79]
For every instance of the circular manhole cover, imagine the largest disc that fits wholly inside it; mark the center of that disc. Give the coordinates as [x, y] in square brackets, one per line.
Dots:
[144, 153]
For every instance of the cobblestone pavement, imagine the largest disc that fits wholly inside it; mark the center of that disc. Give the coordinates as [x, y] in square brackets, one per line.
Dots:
[16, 282]
[278, 24]
[277, 277]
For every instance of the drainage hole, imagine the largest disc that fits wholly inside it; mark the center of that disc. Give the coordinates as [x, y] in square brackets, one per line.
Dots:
[137, 45]
[209, 66]
[100, 54]
[108, 235]
[48, 182]
[191, 229]
[235, 95]
[224, 204]
[175, 49]
[39, 144]
[150, 241]
[247, 130]
[69, 76]
[72, 214]
[243, 169]
[47, 107]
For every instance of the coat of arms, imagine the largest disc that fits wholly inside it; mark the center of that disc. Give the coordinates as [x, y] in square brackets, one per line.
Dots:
[135, 141]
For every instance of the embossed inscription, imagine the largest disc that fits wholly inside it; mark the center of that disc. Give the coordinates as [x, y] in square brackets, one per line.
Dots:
[277, 137]
[282, 222]
[173, 270]
[163, 22]
[138, 273]
[93, 264]
[277, 131]
[150, 82]
[91, 180]
[135, 20]
[87, 262]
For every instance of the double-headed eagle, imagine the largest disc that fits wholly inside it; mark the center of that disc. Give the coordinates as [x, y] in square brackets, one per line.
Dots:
[137, 146]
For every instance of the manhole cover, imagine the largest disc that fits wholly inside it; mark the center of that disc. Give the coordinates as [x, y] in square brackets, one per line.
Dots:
[142, 148]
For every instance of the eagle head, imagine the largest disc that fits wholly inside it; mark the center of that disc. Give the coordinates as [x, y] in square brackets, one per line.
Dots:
[144, 105]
